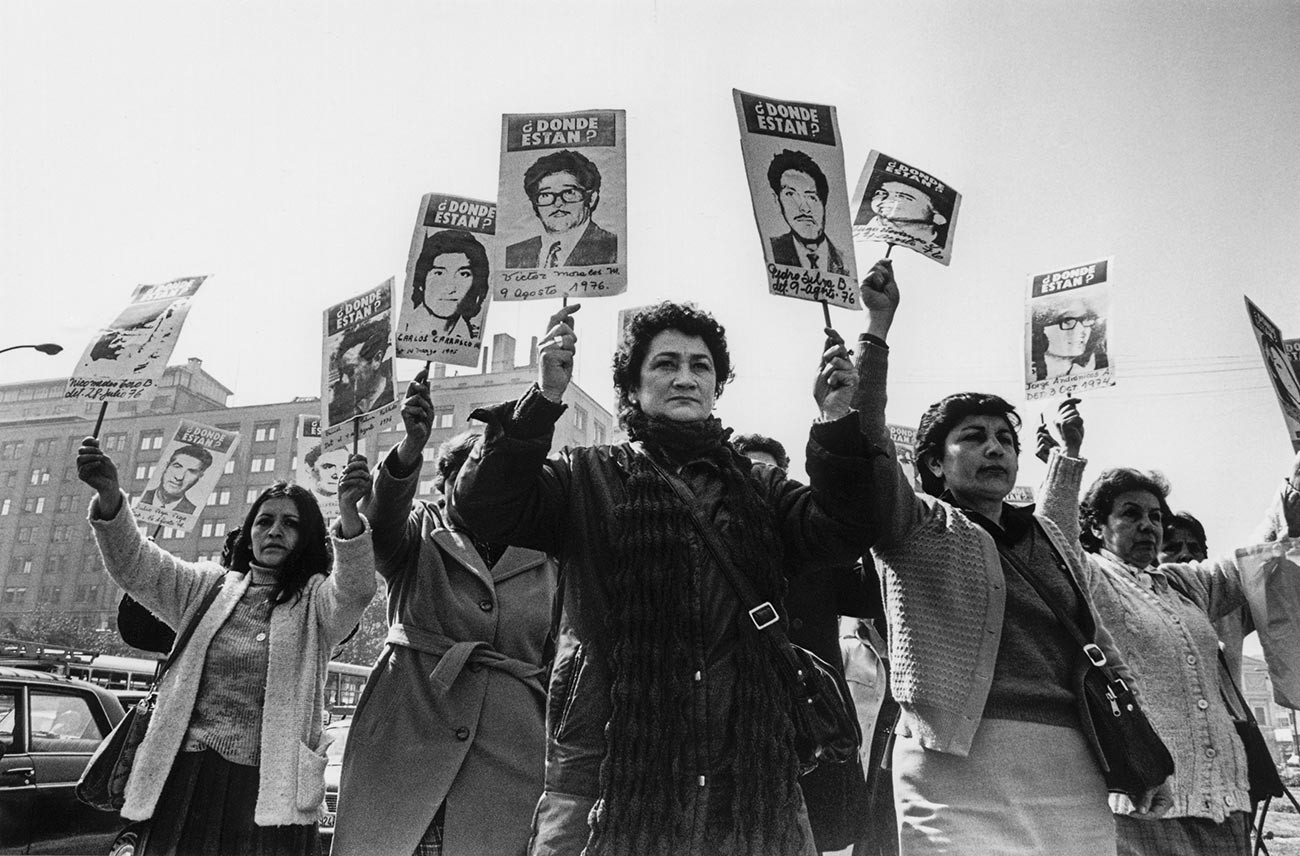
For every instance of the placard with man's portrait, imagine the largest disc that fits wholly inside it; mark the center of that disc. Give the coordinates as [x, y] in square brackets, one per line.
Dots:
[445, 300]
[185, 475]
[561, 206]
[795, 165]
[1067, 326]
[898, 204]
[358, 396]
[317, 470]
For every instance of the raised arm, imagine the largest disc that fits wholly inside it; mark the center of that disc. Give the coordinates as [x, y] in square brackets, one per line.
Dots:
[1058, 496]
[346, 591]
[509, 491]
[394, 521]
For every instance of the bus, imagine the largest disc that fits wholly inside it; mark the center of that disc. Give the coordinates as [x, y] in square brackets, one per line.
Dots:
[124, 674]
[343, 687]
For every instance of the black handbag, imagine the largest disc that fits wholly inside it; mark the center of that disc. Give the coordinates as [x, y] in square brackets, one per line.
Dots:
[1132, 757]
[822, 711]
[103, 782]
[1260, 771]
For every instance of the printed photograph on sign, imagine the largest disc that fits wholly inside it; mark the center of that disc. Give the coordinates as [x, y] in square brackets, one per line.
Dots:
[319, 470]
[127, 358]
[898, 204]
[1067, 320]
[357, 367]
[795, 168]
[1281, 373]
[185, 475]
[1292, 348]
[1270, 579]
[904, 439]
[445, 299]
[562, 206]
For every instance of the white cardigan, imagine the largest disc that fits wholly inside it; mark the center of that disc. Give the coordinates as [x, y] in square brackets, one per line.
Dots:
[291, 784]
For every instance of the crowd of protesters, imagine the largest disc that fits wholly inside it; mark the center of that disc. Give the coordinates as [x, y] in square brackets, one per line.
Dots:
[569, 670]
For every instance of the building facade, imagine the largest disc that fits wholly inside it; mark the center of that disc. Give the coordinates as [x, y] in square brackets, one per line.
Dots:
[48, 558]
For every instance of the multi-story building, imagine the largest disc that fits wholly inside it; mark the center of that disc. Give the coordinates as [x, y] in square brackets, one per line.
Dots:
[48, 558]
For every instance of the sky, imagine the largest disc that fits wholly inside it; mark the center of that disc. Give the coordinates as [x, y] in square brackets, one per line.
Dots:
[283, 149]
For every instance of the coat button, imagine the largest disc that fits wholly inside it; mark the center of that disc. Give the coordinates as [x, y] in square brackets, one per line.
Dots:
[1191, 659]
[485, 605]
[1202, 703]
[796, 624]
[462, 733]
[1210, 752]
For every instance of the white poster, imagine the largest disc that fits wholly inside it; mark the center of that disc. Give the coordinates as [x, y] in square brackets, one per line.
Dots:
[898, 204]
[1067, 320]
[561, 206]
[445, 300]
[186, 474]
[795, 165]
[357, 387]
[128, 357]
[1281, 372]
[318, 470]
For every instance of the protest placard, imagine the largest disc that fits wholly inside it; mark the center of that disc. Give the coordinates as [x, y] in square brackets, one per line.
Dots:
[904, 439]
[317, 470]
[1292, 347]
[187, 472]
[1270, 578]
[126, 359]
[1067, 316]
[896, 203]
[445, 300]
[357, 368]
[795, 167]
[1280, 369]
[562, 206]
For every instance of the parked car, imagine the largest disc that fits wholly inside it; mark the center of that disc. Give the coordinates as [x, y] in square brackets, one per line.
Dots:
[337, 735]
[49, 727]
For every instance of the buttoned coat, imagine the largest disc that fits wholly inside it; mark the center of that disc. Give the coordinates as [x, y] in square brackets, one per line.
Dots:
[454, 709]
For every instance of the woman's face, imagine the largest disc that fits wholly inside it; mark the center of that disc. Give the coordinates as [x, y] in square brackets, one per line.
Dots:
[448, 280]
[979, 462]
[1133, 529]
[678, 379]
[275, 531]
[1072, 342]
[1182, 545]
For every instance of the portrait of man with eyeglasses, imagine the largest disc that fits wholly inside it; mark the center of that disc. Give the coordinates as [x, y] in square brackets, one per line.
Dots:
[564, 189]
[1068, 337]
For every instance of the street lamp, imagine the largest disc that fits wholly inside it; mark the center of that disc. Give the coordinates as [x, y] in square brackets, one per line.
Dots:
[48, 348]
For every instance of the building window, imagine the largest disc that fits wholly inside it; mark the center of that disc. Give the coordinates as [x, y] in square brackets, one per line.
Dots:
[65, 502]
[43, 448]
[212, 529]
[172, 534]
[151, 440]
[34, 505]
[40, 475]
[25, 534]
[443, 417]
[145, 471]
[426, 487]
[22, 565]
[51, 594]
[264, 431]
[11, 450]
[10, 479]
[230, 467]
[14, 594]
[600, 434]
[56, 564]
[87, 594]
[580, 418]
[115, 442]
[252, 494]
[62, 533]
[4, 507]
[264, 464]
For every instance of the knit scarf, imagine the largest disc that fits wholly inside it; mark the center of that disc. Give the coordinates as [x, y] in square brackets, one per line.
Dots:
[658, 560]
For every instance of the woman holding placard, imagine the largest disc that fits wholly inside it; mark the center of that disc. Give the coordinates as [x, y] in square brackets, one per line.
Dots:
[233, 762]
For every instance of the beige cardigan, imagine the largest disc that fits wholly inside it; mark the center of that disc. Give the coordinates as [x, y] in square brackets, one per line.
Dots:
[291, 785]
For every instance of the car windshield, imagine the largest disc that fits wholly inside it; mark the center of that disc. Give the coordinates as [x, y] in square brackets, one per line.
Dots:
[339, 740]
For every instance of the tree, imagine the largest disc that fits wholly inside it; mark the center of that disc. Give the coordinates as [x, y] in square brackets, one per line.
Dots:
[367, 643]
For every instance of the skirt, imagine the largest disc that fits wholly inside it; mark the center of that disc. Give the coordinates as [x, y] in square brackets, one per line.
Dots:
[1184, 836]
[206, 809]
[1025, 789]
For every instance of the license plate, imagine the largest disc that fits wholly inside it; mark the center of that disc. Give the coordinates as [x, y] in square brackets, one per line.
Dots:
[327, 821]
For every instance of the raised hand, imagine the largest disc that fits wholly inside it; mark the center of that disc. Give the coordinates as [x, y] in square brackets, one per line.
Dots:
[354, 486]
[1069, 423]
[837, 380]
[417, 417]
[1046, 442]
[98, 470]
[880, 296]
[556, 353]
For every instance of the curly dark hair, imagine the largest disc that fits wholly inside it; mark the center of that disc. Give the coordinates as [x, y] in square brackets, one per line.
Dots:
[312, 555]
[943, 416]
[574, 163]
[746, 443]
[1099, 501]
[788, 159]
[685, 318]
[451, 456]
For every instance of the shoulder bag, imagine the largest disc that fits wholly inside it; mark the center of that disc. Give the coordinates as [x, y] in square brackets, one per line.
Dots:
[103, 782]
[1132, 757]
[825, 720]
